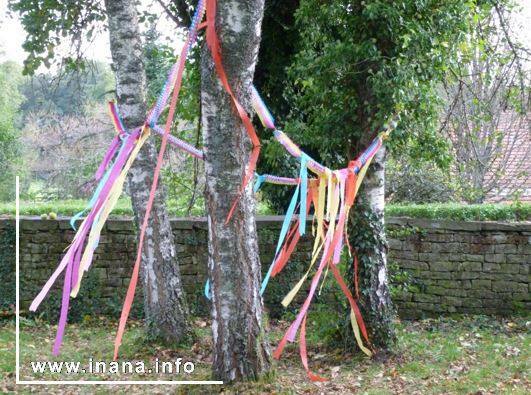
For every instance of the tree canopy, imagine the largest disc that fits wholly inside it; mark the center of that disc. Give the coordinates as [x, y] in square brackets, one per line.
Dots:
[357, 63]
[10, 101]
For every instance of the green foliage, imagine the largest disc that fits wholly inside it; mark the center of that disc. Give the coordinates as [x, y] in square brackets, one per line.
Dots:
[10, 97]
[346, 67]
[51, 107]
[405, 231]
[360, 62]
[324, 324]
[182, 177]
[159, 58]
[367, 235]
[63, 208]
[463, 212]
[10, 100]
[71, 92]
[51, 23]
[400, 280]
[278, 47]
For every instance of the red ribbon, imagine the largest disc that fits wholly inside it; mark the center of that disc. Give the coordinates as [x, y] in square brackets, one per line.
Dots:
[304, 354]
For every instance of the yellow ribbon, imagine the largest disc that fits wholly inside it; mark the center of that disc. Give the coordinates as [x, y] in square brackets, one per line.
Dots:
[361, 175]
[328, 175]
[357, 335]
[319, 213]
[291, 294]
[334, 205]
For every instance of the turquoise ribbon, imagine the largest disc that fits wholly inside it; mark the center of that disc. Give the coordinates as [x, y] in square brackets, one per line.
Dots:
[283, 232]
[304, 192]
[260, 179]
[92, 201]
[208, 295]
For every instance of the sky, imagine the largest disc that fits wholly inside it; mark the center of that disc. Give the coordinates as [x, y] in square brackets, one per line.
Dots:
[12, 34]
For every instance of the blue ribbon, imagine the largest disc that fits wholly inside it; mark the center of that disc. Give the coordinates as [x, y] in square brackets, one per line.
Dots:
[304, 192]
[283, 232]
[208, 294]
[260, 179]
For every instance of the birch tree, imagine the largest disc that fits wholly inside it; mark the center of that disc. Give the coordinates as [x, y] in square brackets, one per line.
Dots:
[48, 24]
[356, 64]
[240, 349]
[164, 300]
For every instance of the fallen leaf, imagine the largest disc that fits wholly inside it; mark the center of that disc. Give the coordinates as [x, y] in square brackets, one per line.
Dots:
[511, 351]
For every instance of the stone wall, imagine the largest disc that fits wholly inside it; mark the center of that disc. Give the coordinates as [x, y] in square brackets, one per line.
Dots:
[461, 267]
[442, 266]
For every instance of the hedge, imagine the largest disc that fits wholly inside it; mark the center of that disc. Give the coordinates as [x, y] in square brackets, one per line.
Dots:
[64, 208]
[449, 211]
[463, 212]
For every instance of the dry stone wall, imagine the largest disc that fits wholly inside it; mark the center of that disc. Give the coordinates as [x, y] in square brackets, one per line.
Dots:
[461, 267]
[441, 266]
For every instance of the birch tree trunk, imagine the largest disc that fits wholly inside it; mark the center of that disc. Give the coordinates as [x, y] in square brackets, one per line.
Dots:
[240, 348]
[367, 234]
[164, 300]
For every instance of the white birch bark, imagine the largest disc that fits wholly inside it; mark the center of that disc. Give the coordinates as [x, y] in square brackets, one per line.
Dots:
[240, 349]
[164, 300]
[368, 238]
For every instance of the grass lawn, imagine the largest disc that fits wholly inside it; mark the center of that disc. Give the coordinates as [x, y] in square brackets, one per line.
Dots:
[463, 355]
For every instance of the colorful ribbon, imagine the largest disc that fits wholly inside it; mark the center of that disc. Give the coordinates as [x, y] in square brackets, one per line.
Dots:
[283, 231]
[332, 195]
[303, 176]
[72, 259]
[215, 50]
[169, 120]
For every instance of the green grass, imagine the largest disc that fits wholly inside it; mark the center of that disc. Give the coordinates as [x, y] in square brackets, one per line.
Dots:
[446, 355]
[448, 211]
[7, 357]
[462, 356]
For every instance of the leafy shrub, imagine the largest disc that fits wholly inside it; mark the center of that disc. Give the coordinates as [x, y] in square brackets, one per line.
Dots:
[66, 208]
[417, 183]
[462, 212]
[452, 211]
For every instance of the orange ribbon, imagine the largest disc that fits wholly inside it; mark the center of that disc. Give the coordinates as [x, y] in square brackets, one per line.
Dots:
[134, 277]
[215, 49]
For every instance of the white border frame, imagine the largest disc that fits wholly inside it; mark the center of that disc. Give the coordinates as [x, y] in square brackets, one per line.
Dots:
[17, 330]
